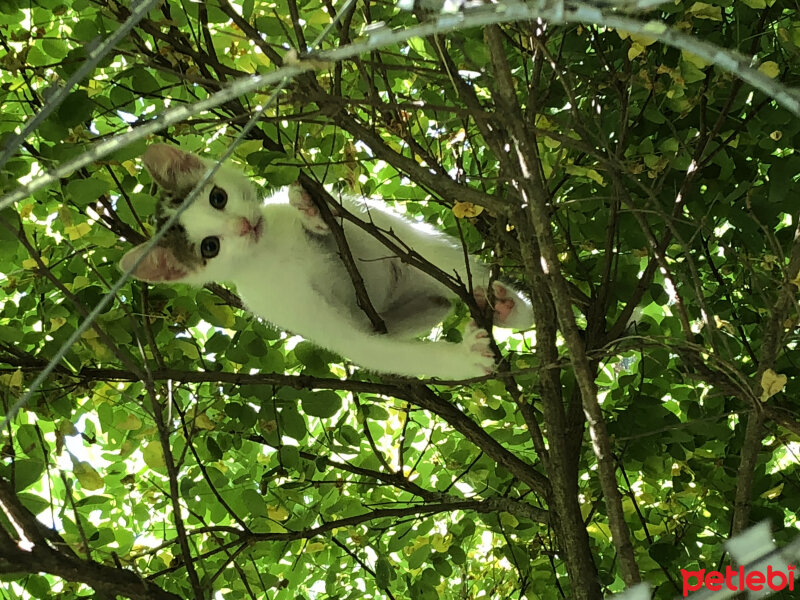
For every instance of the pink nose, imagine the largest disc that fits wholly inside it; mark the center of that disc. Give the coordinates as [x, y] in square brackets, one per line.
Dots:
[245, 227]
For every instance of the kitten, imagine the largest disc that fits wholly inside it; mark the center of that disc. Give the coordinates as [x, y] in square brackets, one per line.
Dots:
[285, 264]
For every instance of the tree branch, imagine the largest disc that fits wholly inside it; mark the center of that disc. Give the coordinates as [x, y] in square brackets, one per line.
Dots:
[43, 557]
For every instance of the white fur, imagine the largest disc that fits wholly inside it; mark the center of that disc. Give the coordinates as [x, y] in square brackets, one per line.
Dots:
[295, 279]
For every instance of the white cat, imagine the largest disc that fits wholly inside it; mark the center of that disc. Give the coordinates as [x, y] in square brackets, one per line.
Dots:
[286, 267]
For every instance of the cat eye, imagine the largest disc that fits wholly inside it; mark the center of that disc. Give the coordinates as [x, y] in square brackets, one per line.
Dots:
[218, 198]
[209, 247]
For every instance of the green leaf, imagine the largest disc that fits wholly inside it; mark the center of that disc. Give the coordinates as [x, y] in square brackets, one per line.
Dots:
[254, 502]
[143, 81]
[290, 457]
[321, 403]
[85, 30]
[375, 411]
[383, 572]
[349, 436]
[214, 451]
[76, 108]
[27, 472]
[218, 342]
[153, 455]
[457, 555]
[278, 176]
[87, 191]
[292, 423]
[55, 48]
[38, 586]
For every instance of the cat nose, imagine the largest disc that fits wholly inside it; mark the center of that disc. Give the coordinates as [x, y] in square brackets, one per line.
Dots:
[245, 228]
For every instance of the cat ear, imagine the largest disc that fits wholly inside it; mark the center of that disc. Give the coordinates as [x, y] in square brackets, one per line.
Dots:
[171, 167]
[159, 265]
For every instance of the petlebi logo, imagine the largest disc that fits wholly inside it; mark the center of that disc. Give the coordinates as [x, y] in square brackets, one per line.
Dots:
[739, 579]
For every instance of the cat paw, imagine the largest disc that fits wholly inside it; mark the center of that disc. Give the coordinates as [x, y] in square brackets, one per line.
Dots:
[510, 310]
[300, 199]
[480, 358]
[503, 303]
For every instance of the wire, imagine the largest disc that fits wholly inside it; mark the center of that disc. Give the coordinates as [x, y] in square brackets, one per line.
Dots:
[95, 56]
[90, 318]
[578, 12]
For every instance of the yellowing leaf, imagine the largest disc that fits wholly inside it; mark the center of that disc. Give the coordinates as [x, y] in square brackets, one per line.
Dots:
[219, 315]
[130, 423]
[25, 211]
[599, 530]
[13, 381]
[154, 455]
[75, 232]
[542, 122]
[67, 428]
[56, 323]
[701, 10]
[203, 422]
[100, 350]
[85, 473]
[79, 283]
[644, 40]
[314, 547]
[458, 138]
[635, 50]
[277, 513]
[94, 87]
[441, 543]
[508, 520]
[694, 59]
[550, 142]
[723, 324]
[90, 334]
[770, 68]
[30, 263]
[771, 384]
[419, 542]
[757, 4]
[773, 493]
[585, 172]
[627, 506]
[464, 210]
[130, 167]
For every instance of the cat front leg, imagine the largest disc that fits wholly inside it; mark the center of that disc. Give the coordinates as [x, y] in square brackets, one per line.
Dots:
[335, 328]
[301, 200]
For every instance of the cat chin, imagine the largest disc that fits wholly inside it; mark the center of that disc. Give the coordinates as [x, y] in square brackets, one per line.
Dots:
[197, 279]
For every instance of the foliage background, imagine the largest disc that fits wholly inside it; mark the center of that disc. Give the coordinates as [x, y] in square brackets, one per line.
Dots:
[183, 449]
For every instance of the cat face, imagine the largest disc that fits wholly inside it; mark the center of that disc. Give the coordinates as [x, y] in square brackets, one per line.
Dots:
[212, 236]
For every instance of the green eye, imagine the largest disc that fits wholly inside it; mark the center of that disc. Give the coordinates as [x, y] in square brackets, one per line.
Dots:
[218, 198]
[209, 247]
